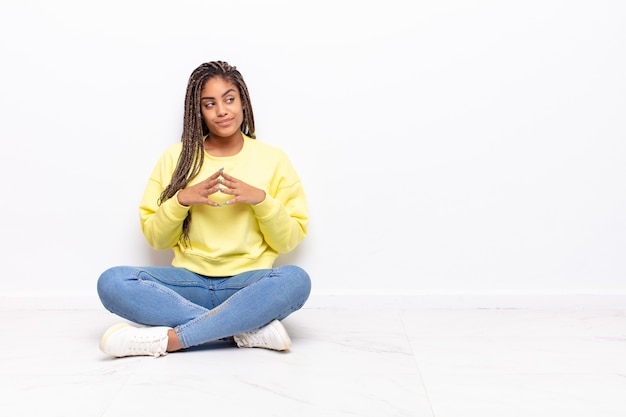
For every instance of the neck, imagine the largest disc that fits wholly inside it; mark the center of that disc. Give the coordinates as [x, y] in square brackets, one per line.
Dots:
[223, 146]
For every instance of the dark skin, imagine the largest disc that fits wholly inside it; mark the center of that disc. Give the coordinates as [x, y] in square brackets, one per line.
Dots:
[222, 113]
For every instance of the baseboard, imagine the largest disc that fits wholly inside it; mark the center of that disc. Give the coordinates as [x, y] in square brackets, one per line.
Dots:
[367, 299]
[451, 300]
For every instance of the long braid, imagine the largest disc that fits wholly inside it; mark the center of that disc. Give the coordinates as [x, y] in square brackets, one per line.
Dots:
[194, 130]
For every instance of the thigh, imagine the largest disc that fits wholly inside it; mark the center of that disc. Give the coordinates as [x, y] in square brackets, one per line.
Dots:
[292, 281]
[187, 284]
[223, 288]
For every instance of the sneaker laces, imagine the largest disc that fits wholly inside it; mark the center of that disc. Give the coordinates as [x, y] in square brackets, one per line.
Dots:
[271, 336]
[148, 345]
[253, 337]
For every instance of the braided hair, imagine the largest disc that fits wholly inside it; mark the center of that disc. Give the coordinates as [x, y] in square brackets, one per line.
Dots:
[194, 130]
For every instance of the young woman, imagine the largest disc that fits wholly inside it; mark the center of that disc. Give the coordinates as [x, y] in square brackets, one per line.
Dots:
[227, 205]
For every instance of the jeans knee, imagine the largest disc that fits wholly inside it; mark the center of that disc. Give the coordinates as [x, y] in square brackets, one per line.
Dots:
[108, 284]
[298, 282]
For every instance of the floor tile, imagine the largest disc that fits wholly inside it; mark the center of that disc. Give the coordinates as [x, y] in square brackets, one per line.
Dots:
[344, 362]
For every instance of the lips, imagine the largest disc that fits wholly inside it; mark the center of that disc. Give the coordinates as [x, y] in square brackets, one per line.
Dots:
[224, 123]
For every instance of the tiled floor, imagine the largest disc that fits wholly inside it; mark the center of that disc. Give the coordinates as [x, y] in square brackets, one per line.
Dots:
[344, 362]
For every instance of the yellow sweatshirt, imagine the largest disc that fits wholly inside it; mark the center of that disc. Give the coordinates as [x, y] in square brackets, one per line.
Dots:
[228, 240]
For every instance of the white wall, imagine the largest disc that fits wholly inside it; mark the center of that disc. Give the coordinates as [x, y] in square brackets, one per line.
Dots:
[447, 146]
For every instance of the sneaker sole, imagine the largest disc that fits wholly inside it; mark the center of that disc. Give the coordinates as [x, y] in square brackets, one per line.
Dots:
[109, 332]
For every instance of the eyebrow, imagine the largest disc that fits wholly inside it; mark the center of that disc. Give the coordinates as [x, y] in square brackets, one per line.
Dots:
[213, 98]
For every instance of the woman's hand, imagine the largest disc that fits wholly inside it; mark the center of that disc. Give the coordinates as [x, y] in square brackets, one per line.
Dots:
[244, 193]
[200, 192]
[224, 183]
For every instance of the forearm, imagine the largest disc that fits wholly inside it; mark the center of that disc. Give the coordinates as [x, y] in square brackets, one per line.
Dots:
[162, 225]
[282, 229]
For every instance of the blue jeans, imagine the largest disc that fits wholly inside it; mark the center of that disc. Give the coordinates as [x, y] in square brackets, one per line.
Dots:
[199, 308]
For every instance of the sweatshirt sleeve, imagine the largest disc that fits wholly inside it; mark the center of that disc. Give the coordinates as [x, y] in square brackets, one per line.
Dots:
[283, 215]
[162, 225]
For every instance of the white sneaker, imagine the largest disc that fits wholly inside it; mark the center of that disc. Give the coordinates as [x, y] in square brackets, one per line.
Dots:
[272, 336]
[124, 340]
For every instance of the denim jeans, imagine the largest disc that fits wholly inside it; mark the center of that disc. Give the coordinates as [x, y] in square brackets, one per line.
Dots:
[199, 308]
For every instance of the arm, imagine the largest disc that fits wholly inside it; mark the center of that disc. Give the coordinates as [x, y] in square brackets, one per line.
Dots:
[283, 218]
[161, 225]
[281, 210]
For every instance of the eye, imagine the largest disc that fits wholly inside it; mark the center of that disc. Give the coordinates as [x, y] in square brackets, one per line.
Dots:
[209, 104]
[229, 100]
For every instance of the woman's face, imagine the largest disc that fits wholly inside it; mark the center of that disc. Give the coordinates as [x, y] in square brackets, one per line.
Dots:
[221, 106]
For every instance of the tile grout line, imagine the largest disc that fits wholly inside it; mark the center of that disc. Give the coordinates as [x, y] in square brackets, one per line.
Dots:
[419, 371]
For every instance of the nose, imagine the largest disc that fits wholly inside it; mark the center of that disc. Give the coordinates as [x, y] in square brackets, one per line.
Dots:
[221, 109]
